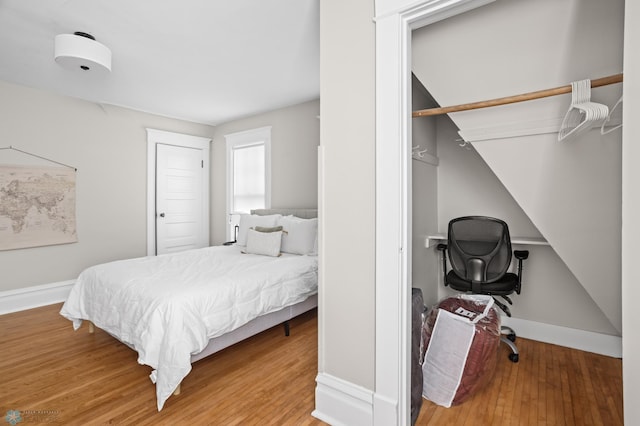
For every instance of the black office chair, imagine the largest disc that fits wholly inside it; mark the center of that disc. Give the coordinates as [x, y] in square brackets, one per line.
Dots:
[479, 249]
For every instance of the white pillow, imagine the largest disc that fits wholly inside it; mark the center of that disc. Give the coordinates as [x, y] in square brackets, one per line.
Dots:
[251, 221]
[265, 243]
[299, 236]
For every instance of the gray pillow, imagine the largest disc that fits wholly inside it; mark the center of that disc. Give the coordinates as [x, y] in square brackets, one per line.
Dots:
[268, 229]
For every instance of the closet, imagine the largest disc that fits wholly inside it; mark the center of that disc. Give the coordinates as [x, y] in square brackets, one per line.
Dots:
[506, 161]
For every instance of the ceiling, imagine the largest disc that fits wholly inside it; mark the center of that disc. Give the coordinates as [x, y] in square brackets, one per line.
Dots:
[206, 61]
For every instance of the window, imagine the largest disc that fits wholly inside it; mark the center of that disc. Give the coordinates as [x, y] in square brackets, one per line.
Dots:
[248, 174]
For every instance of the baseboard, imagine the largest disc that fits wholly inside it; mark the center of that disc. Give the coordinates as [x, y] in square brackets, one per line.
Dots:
[589, 341]
[385, 411]
[339, 402]
[33, 297]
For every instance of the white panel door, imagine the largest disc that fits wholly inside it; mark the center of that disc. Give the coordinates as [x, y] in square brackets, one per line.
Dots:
[179, 201]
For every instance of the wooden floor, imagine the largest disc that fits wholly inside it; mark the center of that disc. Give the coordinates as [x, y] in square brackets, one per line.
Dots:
[550, 385]
[51, 374]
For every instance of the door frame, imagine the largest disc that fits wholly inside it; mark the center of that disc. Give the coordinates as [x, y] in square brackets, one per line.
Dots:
[155, 137]
[395, 21]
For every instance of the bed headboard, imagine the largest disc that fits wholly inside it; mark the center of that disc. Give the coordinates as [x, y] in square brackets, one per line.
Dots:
[301, 213]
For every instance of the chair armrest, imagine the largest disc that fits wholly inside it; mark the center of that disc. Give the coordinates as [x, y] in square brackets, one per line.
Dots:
[520, 255]
[443, 248]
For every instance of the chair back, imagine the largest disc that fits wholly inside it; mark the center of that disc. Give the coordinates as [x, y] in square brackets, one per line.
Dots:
[479, 248]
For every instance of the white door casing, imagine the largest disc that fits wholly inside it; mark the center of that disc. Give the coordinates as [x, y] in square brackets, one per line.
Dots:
[394, 22]
[184, 146]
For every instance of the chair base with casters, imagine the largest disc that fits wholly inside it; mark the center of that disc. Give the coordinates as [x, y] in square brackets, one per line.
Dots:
[473, 265]
[509, 340]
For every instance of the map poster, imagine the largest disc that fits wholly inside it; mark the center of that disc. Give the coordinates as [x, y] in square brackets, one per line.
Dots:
[37, 206]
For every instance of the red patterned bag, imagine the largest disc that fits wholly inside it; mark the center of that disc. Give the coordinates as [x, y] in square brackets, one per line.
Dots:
[460, 339]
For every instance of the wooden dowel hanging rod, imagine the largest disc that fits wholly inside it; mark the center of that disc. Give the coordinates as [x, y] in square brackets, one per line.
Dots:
[604, 81]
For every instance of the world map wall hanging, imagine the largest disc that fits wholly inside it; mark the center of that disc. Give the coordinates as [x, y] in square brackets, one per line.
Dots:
[37, 204]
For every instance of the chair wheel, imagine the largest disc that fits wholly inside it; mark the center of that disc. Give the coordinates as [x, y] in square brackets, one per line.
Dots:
[513, 357]
[512, 337]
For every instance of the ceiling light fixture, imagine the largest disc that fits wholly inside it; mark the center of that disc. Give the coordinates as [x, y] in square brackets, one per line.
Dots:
[81, 51]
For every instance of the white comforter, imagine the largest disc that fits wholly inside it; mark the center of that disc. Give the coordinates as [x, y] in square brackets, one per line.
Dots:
[167, 307]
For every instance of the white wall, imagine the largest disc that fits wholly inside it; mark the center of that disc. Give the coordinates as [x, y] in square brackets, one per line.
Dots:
[295, 136]
[467, 186]
[630, 215]
[347, 129]
[108, 146]
[424, 271]
[502, 49]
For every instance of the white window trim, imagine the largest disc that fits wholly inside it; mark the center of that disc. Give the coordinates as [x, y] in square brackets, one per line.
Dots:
[261, 135]
[155, 137]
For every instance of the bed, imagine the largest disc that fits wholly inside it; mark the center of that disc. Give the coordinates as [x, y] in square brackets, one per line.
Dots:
[177, 308]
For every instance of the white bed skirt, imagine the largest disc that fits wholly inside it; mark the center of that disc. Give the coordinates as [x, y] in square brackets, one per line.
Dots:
[256, 326]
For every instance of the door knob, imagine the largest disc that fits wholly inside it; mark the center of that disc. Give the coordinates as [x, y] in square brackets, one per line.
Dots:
[161, 214]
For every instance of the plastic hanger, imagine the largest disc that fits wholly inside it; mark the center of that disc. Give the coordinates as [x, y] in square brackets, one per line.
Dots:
[582, 114]
[602, 130]
[416, 151]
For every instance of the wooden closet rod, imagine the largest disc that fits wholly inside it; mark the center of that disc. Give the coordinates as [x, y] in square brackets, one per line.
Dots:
[604, 81]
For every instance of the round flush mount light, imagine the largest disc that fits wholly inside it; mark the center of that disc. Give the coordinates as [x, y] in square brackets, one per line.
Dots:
[81, 51]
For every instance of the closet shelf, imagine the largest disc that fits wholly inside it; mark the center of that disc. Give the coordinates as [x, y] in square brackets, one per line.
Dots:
[431, 239]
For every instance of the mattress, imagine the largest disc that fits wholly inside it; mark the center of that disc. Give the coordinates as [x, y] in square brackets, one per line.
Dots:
[167, 307]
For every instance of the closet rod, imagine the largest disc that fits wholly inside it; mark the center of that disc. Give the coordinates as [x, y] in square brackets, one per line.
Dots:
[604, 81]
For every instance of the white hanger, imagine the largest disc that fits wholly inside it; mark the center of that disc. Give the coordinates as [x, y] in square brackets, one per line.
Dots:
[582, 114]
[602, 130]
[416, 151]
[463, 143]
